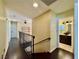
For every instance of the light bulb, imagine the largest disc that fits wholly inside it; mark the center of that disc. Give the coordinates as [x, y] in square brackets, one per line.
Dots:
[35, 4]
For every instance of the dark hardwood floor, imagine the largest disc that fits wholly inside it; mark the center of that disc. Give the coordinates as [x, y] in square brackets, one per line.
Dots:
[61, 54]
[56, 54]
[16, 52]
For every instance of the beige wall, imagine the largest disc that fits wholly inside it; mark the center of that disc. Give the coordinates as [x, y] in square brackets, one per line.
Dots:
[2, 11]
[42, 47]
[41, 31]
[2, 37]
[68, 15]
[3, 29]
[41, 27]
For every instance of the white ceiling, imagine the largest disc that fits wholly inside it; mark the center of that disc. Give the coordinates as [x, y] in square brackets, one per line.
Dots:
[62, 5]
[25, 7]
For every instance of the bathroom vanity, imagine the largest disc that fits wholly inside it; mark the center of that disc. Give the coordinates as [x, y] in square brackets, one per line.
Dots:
[66, 34]
[65, 39]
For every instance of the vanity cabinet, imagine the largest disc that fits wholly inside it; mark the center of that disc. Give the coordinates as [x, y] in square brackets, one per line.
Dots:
[65, 39]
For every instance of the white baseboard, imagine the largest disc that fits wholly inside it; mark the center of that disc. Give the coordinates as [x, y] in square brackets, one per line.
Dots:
[52, 50]
[5, 51]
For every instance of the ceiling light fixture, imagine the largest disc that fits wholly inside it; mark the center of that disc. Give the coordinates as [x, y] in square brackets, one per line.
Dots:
[35, 4]
[25, 22]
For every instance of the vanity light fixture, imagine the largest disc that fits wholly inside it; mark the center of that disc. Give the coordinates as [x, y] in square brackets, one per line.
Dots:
[64, 23]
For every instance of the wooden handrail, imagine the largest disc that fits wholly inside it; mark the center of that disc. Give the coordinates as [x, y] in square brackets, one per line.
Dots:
[42, 41]
[27, 34]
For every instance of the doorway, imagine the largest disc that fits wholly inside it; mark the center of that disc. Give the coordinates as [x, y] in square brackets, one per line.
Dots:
[66, 34]
[13, 29]
[13, 34]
